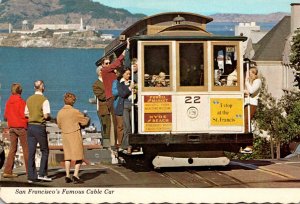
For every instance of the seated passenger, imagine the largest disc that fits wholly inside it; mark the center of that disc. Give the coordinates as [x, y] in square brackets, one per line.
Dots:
[217, 77]
[232, 78]
[223, 82]
[162, 80]
[154, 80]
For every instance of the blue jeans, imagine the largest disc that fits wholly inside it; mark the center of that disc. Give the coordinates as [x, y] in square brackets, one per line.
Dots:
[37, 134]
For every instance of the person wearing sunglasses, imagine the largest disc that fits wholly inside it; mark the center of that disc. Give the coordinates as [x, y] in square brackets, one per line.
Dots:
[108, 76]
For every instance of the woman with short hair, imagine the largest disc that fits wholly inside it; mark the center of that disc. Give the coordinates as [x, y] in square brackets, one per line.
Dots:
[70, 120]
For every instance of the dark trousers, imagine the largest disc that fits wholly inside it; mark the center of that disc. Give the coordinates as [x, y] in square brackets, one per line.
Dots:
[105, 131]
[15, 134]
[105, 121]
[37, 134]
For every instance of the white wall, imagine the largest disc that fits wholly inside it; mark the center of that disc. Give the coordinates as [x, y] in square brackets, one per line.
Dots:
[278, 77]
[295, 14]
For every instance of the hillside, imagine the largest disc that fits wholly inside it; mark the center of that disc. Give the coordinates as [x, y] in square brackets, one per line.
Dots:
[65, 12]
[272, 17]
[93, 14]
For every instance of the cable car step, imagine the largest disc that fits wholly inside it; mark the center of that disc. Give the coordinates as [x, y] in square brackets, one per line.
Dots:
[163, 161]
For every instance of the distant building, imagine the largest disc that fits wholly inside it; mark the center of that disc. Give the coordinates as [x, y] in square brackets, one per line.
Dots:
[74, 27]
[25, 25]
[56, 26]
[81, 24]
[253, 33]
[272, 53]
[251, 30]
[107, 36]
[246, 28]
[9, 28]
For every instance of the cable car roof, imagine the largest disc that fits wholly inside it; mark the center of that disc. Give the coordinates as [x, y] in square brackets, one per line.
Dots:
[168, 26]
[164, 18]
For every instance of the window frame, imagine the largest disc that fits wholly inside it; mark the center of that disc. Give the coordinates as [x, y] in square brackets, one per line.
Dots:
[156, 89]
[203, 88]
[238, 68]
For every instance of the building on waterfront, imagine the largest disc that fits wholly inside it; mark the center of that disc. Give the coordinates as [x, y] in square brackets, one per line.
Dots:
[272, 53]
[107, 36]
[60, 28]
[25, 25]
[75, 27]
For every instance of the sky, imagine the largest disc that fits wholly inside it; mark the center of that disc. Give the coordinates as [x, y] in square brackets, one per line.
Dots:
[203, 7]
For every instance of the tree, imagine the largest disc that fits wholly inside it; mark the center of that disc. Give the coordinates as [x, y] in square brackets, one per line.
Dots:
[295, 56]
[290, 103]
[277, 118]
[281, 118]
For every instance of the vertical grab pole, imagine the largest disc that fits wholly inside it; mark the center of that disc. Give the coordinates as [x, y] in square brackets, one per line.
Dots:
[132, 102]
[248, 101]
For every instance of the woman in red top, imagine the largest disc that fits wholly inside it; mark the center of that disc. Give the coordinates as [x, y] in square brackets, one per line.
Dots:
[17, 123]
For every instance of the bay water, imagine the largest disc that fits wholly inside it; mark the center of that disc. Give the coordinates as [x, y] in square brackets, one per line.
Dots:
[62, 70]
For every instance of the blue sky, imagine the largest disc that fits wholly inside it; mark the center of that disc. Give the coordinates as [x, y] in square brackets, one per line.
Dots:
[204, 7]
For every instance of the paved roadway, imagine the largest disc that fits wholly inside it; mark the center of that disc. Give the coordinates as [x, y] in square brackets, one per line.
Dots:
[238, 174]
[259, 181]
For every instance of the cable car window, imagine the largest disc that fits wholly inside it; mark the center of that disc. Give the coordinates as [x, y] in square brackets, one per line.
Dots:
[191, 64]
[156, 66]
[225, 65]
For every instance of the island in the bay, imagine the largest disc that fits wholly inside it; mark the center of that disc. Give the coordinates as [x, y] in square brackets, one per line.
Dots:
[76, 24]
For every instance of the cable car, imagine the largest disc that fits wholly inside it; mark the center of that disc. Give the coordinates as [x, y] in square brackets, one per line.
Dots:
[190, 106]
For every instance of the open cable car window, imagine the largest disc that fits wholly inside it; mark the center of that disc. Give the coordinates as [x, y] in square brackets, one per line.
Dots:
[192, 73]
[225, 67]
[157, 65]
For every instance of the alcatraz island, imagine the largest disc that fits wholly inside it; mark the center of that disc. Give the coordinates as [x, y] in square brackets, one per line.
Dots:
[55, 36]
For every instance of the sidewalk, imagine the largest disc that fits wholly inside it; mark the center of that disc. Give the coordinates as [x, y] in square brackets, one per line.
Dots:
[288, 168]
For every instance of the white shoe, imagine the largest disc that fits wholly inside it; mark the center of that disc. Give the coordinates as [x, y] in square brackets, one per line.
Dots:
[44, 178]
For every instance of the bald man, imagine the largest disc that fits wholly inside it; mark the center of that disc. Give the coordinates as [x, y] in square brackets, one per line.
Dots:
[38, 111]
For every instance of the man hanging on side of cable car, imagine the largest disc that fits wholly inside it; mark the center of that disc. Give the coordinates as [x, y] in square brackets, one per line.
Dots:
[109, 75]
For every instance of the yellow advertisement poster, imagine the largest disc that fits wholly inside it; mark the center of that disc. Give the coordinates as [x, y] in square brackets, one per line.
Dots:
[158, 113]
[157, 104]
[226, 112]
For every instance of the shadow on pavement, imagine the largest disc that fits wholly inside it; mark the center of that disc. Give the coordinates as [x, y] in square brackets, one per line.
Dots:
[11, 183]
[137, 163]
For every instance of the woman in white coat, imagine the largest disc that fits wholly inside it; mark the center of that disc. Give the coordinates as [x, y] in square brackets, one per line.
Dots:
[253, 85]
